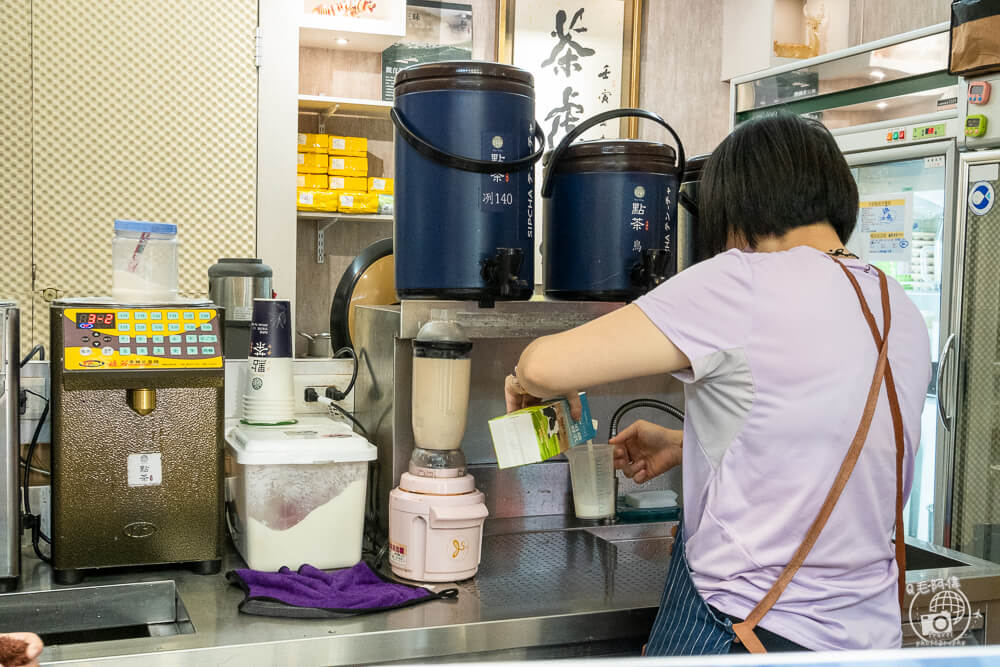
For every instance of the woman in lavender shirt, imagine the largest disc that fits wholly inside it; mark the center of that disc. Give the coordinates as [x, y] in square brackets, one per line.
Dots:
[777, 360]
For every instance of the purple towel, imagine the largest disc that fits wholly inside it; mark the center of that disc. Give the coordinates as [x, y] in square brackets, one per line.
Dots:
[312, 593]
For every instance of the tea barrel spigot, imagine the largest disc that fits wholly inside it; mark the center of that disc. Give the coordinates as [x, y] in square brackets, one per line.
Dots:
[501, 272]
[651, 270]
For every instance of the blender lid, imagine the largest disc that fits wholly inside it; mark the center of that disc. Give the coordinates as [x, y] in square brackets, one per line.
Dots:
[443, 335]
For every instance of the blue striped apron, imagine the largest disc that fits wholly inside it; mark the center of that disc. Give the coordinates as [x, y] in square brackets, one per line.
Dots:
[685, 624]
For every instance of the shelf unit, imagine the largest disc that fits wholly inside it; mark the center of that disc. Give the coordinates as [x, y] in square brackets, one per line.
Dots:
[343, 106]
[355, 34]
[332, 218]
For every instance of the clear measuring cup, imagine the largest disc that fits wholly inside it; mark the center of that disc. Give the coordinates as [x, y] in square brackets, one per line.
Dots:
[592, 474]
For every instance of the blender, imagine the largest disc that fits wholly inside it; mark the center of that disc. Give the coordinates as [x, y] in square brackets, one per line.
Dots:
[436, 513]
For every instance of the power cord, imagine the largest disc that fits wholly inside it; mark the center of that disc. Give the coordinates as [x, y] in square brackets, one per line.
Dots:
[32, 521]
[39, 350]
[337, 394]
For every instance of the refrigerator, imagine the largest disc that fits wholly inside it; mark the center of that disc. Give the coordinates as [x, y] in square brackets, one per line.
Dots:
[907, 227]
[971, 494]
[939, 203]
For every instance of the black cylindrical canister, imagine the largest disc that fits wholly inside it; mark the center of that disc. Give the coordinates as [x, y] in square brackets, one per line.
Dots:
[688, 252]
[610, 211]
[465, 155]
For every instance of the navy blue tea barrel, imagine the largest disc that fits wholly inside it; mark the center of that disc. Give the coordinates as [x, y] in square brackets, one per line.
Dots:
[465, 154]
[610, 211]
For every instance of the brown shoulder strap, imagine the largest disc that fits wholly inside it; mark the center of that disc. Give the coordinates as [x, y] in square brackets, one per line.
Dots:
[745, 630]
[897, 427]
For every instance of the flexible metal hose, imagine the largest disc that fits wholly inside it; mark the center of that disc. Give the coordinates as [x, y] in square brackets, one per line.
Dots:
[641, 403]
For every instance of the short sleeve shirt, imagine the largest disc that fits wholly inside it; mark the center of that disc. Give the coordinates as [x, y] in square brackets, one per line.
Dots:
[781, 362]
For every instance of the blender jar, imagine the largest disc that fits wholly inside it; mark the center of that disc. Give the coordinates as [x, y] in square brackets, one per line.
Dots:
[442, 370]
[144, 261]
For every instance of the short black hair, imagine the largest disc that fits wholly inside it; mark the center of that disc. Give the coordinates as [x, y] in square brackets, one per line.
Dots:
[771, 175]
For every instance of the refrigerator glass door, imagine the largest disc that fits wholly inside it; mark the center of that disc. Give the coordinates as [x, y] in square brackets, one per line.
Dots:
[905, 225]
[975, 513]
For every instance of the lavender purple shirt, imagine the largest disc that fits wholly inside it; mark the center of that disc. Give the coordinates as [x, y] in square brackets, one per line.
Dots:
[781, 361]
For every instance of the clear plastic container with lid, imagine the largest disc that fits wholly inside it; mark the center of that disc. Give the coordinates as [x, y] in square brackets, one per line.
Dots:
[144, 261]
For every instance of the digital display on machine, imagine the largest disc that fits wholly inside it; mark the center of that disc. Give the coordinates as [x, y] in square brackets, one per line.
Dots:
[972, 122]
[95, 320]
[976, 90]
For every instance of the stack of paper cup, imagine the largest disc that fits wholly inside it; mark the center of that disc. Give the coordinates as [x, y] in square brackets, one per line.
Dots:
[269, 395]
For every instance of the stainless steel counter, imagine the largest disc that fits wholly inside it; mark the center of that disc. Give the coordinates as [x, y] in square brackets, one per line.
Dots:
[548, 587]
[537, 594]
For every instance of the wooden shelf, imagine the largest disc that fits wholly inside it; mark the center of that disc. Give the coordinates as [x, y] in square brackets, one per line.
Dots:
[345, 106]
[362, 34]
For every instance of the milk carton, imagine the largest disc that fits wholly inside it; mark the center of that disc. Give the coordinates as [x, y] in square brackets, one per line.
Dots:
[539, 432]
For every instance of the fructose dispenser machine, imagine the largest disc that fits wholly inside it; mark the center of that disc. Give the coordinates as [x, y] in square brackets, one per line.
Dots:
[137, 435]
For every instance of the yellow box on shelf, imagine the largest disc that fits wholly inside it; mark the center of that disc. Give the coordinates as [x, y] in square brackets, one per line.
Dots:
[317, 200]
[352, 183]
[357, 202]
[312, 163]
[382, 186]
[348, 146]
[348, 166]
[314, 143]
[313, 181]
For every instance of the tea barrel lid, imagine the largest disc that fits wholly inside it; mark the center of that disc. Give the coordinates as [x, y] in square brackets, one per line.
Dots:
[464, 68]
[615, 147]
[695, 166]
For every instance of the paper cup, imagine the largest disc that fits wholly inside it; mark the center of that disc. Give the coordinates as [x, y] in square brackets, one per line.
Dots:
[269, 397]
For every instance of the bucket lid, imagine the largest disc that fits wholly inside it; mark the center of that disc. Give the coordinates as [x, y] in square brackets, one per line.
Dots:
[309, 442]
[452, 68]
[145, 227]
[625, 147]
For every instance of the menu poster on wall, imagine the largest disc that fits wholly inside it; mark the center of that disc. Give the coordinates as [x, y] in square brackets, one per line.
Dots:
[435, 31]
[885, 222]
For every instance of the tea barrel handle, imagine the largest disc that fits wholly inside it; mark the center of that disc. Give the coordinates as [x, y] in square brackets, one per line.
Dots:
[432, 152]
[573, 134]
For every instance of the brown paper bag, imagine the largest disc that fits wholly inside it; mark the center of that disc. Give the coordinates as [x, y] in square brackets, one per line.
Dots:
[975, 37]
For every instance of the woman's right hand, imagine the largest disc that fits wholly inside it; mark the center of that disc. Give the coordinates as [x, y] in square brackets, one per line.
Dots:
[645, 450]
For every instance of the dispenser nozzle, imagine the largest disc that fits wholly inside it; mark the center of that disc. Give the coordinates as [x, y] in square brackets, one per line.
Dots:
[142, 401]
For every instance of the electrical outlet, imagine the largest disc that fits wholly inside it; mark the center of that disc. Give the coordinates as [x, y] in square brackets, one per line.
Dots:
[34, 405]
[42, 506]
[320, 382]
